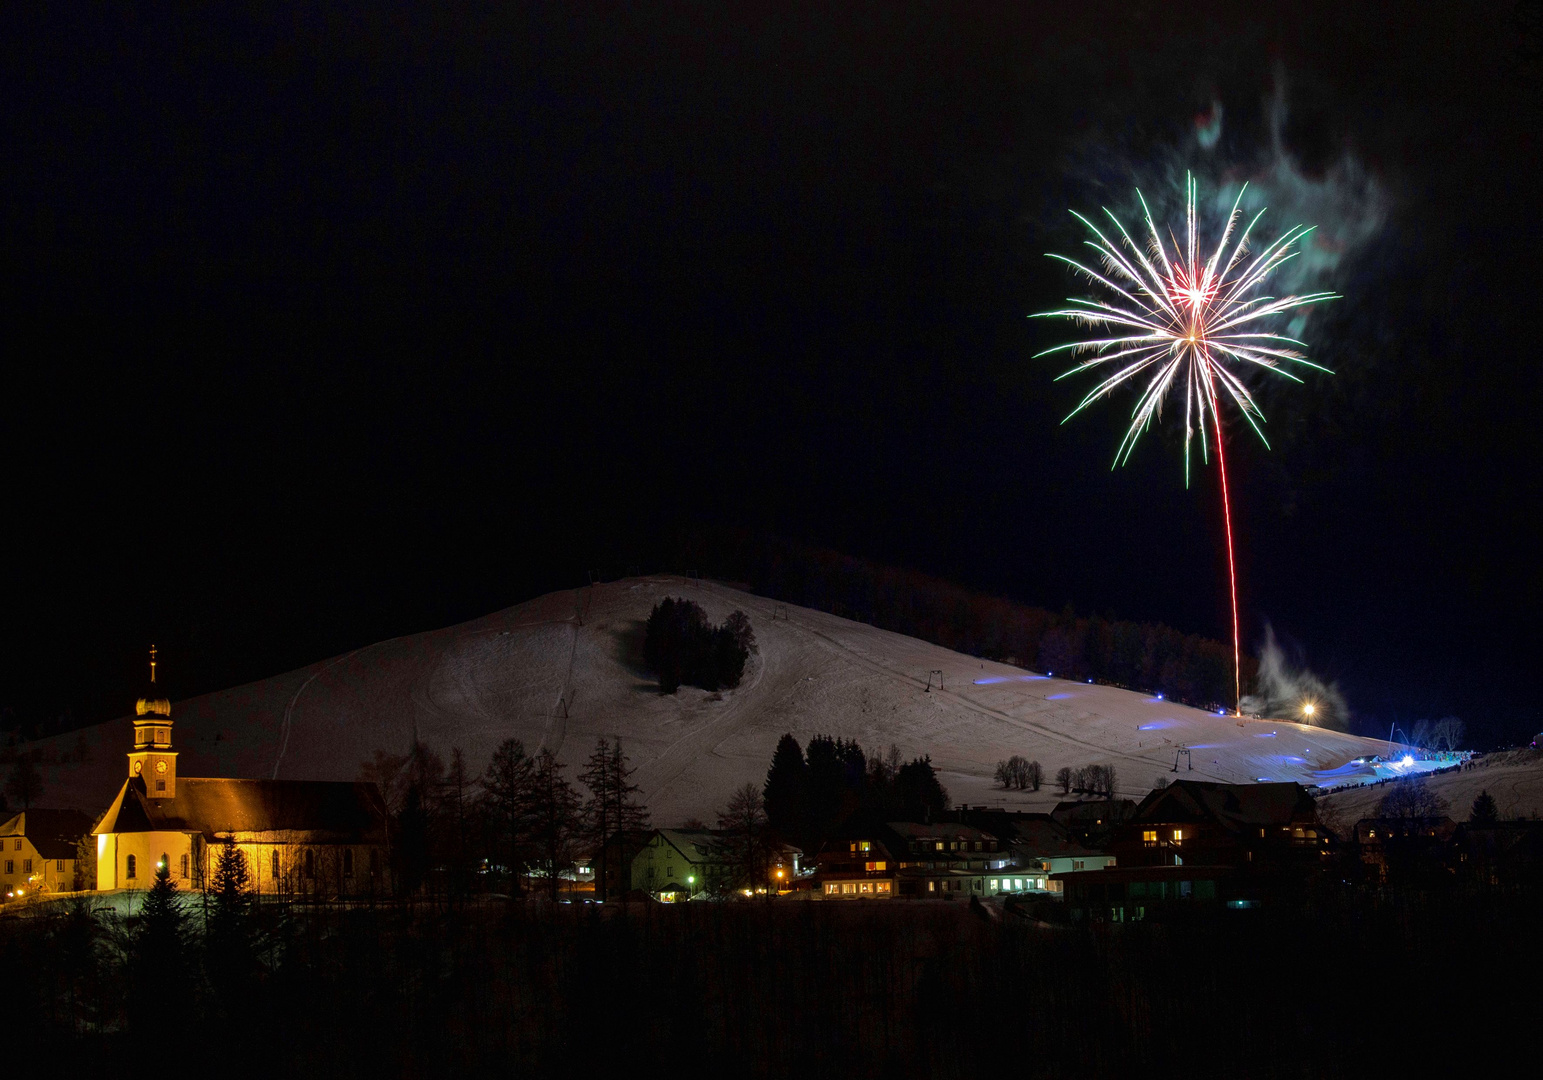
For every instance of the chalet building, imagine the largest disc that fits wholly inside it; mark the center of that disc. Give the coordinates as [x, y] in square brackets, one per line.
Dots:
[1195, 822]
[1131, 894]
[299, 837]
[37, 852]
[1093, 823]
[937, 861]
[1499, 852]
[1201, 843]
[858, 868]
[677, 864]
[1037, 842]
[1417, 845]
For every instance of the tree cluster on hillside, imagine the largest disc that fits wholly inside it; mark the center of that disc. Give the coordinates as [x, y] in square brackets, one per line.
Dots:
[1019, 772]
[684, 649]
[1142, 656]
[1087, 780]
[810, 794]
[521, 819]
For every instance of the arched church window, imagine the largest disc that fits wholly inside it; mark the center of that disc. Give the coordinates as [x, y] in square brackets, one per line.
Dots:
[348, 862]
[128, 868]
[275, 862]
[310, 863]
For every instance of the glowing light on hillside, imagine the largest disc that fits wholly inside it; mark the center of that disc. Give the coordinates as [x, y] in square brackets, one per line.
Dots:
[1173, 318]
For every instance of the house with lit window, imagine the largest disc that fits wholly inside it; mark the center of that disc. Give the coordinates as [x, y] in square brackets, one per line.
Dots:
[37, 852]
[857, 867]
[1267, 826]
[1038, 847]
[299, 837]
[676, 864]
[1197, 843]
[921, 861]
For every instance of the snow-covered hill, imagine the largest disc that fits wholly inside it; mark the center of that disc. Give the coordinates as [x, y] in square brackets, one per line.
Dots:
[565, 669]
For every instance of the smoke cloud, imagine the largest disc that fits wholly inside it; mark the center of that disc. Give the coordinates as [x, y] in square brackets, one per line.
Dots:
[1336, 194]
[1297, 695]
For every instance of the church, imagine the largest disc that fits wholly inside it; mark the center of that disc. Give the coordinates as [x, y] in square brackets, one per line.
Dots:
[302, 838]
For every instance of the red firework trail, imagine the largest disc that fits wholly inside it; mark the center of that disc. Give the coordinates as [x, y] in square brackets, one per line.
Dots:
[1167, 319]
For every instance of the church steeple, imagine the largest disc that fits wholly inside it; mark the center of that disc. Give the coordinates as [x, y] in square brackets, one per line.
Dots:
[153, 759]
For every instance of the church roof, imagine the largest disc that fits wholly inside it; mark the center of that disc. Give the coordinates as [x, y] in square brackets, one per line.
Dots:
[53, 832]
[340, 812]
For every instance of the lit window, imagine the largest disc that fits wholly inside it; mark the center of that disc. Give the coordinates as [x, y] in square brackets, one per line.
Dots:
[1018, 884]
[1178, 836]
[1149, 836]
[881, 887]
[995, 884]
[864, 845]
[932, 886]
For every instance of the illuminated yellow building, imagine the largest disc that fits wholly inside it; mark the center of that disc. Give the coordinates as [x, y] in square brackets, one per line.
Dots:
[37, 852]
[299, 837]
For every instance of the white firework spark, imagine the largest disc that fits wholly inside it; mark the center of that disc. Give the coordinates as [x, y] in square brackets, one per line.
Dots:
[1180, 319]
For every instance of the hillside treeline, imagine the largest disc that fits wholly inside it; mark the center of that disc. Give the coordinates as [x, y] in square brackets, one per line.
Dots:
[809, 797]
[1141, 656]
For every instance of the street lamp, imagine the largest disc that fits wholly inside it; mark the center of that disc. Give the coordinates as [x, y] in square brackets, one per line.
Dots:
[1309, 709]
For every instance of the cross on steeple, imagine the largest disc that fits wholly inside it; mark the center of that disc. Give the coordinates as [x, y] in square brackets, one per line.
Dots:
[152, 664]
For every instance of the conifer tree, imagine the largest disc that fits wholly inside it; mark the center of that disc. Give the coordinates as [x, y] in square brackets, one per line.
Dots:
[507, 791]
[161, 984]
[786, 791]
[1484, 811]
[554, 817]
[230, 946]
[612, 810]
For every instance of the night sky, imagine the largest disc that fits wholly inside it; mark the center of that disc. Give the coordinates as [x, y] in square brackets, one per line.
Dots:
[332, 324]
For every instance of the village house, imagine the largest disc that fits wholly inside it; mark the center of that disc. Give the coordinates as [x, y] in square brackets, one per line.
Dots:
[1039, 845]
[1404, 845]
[299, 837]
[911, 860]
[38, 855]
[676, 864]
[1202, 843]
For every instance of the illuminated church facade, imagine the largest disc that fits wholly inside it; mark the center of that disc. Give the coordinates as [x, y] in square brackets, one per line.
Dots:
[313, 838]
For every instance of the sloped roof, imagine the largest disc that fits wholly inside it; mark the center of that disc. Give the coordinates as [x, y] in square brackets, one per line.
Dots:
[1235, 806]
[694, 845]
[941, 830]
[1047, 838]
[340, 811]
[53, 832]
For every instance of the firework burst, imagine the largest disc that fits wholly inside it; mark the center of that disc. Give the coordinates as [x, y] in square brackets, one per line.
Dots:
[1172, 318]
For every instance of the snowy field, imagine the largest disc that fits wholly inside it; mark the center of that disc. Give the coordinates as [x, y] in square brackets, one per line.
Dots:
[565, 669]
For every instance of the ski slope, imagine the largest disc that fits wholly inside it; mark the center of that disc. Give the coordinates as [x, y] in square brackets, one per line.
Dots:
[565, 669]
